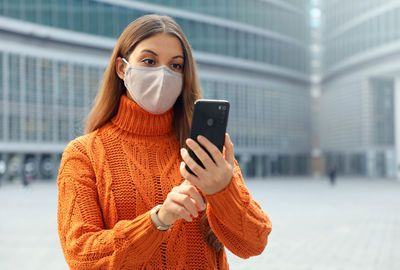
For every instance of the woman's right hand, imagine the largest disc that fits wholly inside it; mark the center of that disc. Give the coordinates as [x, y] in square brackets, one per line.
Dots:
[183, 201]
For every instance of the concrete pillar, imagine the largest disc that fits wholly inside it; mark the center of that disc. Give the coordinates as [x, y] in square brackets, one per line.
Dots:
[397, 125]
[245, 158]
[371, 168]
[267, 166]
[259, 166]
[390, 164]
[38, 157]
[3, 168]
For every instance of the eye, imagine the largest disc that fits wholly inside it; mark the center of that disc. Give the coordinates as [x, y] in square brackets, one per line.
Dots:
[148, 61]
[176, 66]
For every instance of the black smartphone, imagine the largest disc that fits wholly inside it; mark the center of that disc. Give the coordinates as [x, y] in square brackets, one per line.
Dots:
[210, 119]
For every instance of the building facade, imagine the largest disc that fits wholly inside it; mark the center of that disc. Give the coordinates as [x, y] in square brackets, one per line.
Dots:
[253, 53]
[360, 87]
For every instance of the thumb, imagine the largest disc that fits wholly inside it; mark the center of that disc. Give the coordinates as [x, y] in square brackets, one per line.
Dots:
[229, 154]
[187, 183]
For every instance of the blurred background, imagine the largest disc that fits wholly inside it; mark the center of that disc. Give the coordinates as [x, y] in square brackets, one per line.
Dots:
[313, 84]
[254, 53]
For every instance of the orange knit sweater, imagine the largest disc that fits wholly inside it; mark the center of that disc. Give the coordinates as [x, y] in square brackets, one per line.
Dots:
[109, 180]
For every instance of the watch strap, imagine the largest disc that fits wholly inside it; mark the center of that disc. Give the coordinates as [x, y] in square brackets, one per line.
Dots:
[156, 221]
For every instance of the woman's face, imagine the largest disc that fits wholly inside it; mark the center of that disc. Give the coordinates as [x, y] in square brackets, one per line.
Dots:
[157, 50]
[160, 49]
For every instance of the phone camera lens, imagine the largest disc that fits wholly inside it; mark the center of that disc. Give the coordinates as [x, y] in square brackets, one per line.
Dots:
[210, 122]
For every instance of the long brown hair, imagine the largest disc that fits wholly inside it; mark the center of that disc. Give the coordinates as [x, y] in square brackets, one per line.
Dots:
[112, 87]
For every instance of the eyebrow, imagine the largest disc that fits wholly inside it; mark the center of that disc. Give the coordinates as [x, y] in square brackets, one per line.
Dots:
[150, 51]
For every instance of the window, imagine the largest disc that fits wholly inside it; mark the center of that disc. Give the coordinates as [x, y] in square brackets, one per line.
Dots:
[14, 125]
[221, 40]
[78, 86]
[94, 83]
[1, 78]
[14, 77]
[62, 14]
[31, 98]
[212, 38]
[251, 46]
[78, 122]
[47, 123]
[30, 10]
[63, 99]
[383, 112]
[206, 88]
[93, 26]
[45, 68]
[109, 13]
[230, 42]
[1, 98]
[241, 43]
[101, 20]
[122, 20]
[46, 81]
[30, 123]
[77, 15]
[12, 8]
[30, 81]
[46, 12]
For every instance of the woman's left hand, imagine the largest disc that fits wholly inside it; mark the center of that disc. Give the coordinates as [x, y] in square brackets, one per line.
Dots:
[215, 176]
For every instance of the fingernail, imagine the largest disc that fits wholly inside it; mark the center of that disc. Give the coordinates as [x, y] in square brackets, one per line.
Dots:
[182, 151]
[189, 142]
[200, 138]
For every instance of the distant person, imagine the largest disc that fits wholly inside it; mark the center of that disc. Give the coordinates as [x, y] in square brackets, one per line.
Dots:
[125, 199]
[332, 175]
[28, 174]
[25, 181]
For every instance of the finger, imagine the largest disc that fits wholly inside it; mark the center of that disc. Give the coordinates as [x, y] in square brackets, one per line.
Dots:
[195, 195]
[229, 153]
[200, 153]
[186, 182]
[196, 168]
[187, 202]
[212, 149]
[192, 179]
[179, 210]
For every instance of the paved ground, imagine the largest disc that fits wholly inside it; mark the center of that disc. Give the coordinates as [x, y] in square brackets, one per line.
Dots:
[355, 225]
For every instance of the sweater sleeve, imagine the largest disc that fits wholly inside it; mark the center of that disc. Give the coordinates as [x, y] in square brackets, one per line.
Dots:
[237, 220]
[85, 242]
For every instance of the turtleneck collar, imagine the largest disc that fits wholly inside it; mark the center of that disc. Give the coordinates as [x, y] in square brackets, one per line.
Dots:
[133, 118]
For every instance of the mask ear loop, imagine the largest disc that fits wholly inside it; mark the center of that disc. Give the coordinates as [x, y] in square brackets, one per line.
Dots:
[126, 62]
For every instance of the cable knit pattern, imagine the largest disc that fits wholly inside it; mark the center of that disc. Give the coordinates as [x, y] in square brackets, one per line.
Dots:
[111, 178]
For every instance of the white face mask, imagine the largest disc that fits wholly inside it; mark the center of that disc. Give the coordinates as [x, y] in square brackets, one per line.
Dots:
[155, 89]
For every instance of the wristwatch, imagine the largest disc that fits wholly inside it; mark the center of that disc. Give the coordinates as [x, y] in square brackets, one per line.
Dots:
[156, 221]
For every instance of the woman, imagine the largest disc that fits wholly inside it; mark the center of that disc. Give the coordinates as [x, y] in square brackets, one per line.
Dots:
[125, 198]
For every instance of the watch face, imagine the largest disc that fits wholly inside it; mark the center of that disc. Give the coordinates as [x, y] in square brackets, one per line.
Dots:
[156, 221]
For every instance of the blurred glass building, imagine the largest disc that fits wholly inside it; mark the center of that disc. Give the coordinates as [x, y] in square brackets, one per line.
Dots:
[360, 87]
[255, 53]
